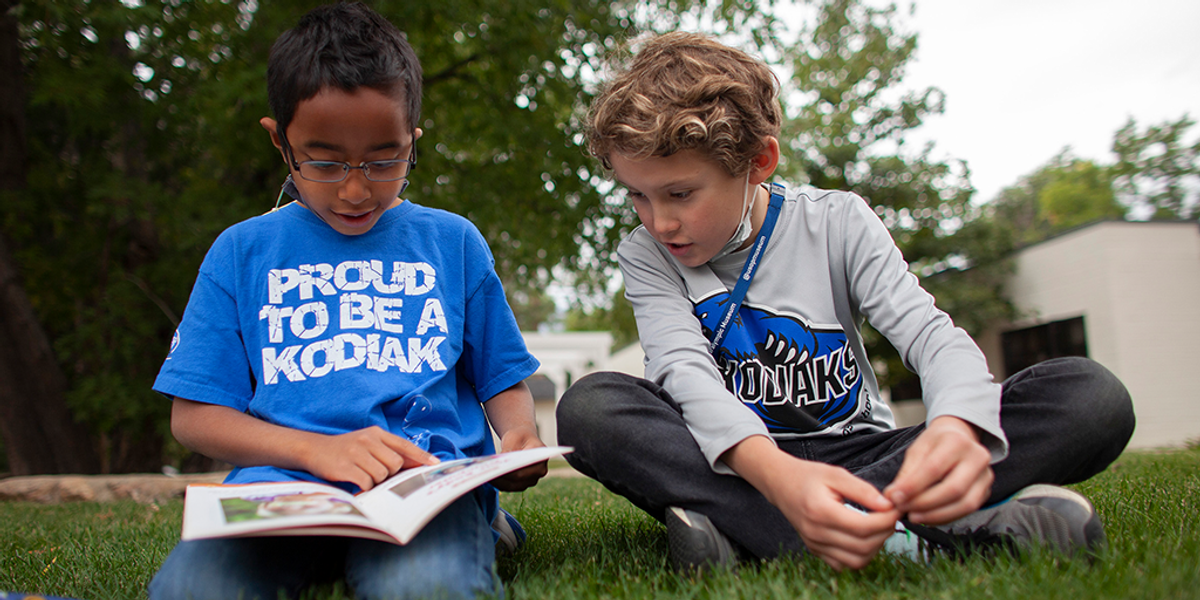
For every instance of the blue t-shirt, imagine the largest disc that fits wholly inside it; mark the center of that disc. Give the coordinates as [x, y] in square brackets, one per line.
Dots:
[405, 327]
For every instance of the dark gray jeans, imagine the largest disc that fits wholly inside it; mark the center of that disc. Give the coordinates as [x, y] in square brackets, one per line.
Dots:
[1066, 419]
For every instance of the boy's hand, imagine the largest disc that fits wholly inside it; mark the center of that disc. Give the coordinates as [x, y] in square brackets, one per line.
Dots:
[526, 477]
[812, 496]
[511, 414]
[945, 475]
[365, 457]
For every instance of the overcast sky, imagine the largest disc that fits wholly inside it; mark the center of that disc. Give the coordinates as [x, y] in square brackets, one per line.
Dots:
[1024, 78]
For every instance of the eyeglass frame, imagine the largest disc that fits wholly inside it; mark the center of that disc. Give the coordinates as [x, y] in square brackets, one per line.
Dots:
[364, 166]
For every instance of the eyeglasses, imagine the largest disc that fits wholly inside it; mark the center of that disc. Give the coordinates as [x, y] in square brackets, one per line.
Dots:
[332, 171]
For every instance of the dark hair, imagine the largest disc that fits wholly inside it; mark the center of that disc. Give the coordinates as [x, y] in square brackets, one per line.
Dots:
[346, 45]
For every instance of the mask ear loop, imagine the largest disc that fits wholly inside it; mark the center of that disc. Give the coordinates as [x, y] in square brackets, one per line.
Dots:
[748, 197]
[287, 160]
[284, 190]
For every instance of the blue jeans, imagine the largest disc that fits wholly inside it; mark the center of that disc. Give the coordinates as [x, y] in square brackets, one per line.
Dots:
[1066, 419]
[452, 557]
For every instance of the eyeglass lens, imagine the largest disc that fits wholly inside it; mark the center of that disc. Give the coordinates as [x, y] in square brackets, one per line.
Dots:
[331, 171]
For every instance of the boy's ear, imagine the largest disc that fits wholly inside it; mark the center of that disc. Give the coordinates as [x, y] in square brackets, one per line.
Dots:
[763, 165]
[272, 127]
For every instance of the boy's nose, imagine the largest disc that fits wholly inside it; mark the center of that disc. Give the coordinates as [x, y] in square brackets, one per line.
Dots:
[355, 188]
[665, 222]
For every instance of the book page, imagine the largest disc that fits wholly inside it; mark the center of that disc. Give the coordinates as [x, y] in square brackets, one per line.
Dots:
[408, 501]
[234, 510]
[394, 511]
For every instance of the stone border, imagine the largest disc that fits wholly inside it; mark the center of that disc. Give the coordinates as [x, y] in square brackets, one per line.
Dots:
[145, 488]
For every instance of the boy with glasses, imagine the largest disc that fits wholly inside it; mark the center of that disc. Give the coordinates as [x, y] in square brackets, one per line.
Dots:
[348, 335]
[759, 429]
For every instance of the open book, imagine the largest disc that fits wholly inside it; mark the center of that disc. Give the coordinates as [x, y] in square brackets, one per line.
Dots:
[393, 511]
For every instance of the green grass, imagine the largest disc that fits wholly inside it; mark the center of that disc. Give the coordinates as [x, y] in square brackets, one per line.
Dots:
[587, 543]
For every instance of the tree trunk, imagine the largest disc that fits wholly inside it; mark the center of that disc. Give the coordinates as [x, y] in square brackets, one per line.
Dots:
[39, 435]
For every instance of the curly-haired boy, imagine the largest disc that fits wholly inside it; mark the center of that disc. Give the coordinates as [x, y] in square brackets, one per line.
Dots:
[759, 428]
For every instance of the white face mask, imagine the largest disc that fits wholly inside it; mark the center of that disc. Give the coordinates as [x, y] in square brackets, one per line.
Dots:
[742, 233]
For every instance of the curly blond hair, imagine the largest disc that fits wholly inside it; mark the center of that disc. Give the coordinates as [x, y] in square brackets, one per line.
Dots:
[686, 91]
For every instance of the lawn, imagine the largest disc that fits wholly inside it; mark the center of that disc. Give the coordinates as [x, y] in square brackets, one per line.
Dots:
[587, 543]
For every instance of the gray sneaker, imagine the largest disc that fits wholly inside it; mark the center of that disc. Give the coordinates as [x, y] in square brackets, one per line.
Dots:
[695, 544]
[1039, 515]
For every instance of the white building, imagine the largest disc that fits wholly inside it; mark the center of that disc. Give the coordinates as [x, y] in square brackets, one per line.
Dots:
[1126, 294]
[566, 357]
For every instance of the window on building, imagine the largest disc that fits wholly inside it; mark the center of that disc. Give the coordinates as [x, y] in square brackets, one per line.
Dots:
[1029, 346]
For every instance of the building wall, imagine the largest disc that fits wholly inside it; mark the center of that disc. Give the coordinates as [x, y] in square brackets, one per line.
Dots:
[564, 358]
[1137, 285]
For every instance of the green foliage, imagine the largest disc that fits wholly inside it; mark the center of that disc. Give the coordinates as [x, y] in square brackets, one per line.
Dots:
[1065, 192]
[1079, 193]
[531, 306]
[502, 86]
[1156, 170]
[106, 254]
[1155, 174]
[144, 144]
[847, 120]
[617, 318]
[585, 542]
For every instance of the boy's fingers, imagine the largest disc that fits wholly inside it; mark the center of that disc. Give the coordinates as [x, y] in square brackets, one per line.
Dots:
[854, 522]
[521, 479]
[864, 494]
[948, 446]
[962, 492]
[943, 485]
[921, 470]
[386, 462]
[412, 454]
[362, 479]
[844, 550]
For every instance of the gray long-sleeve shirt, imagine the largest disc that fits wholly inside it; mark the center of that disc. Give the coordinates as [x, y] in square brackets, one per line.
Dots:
[790, 366]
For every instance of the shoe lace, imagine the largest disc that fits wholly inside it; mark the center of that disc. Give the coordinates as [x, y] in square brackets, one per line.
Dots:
[961, 544]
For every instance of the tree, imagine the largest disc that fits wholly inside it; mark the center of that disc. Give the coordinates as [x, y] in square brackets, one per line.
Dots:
[1156, 172]
[1077, 193]
[1063, 193]
[143, 144]
[847, 119]
[106, 255]
[616, 317]
[40, 436]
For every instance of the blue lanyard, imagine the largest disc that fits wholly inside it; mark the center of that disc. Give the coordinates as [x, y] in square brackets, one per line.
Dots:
[749, 269]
